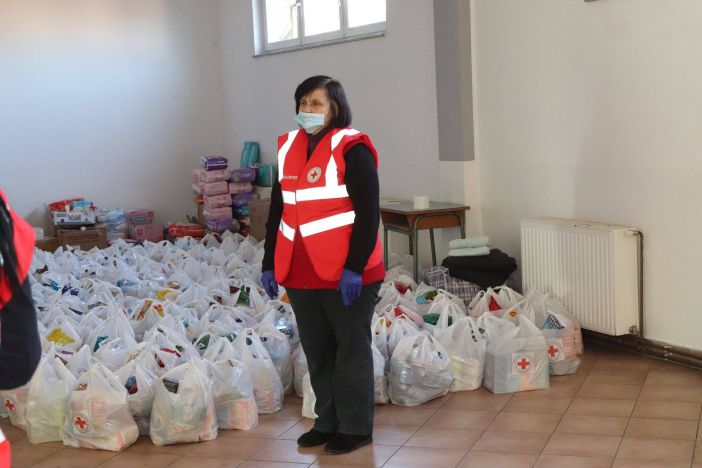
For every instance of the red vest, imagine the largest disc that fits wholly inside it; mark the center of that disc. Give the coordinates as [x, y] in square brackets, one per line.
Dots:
[24, 250]
[317, 208]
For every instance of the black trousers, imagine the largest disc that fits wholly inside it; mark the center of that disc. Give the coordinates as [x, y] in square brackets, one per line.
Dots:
[337, 343]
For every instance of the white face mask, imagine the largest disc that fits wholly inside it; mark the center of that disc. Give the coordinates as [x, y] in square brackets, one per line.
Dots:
[310, 122]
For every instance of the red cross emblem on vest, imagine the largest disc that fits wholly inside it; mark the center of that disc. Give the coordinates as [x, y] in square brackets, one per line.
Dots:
[10, 405]
[552, 351]
[314, 174]
[524, 363]
[83, 424]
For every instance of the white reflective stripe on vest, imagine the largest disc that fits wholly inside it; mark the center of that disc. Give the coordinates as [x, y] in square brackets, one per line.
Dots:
[283, 152]
[287, 231]
[326, 224]
[322, 193]
[288, 197]
[336, 138]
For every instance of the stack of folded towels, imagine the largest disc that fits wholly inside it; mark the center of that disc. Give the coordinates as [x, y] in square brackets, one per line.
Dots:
[470, 247]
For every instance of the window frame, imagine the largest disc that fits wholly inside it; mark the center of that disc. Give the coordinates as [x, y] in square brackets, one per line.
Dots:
[344, 34]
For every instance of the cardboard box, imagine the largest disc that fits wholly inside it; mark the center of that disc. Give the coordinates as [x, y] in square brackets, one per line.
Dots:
[140, 217]
[86, 238]
[72, 218]
[48, 244]
[149, 232]
[200, 214]
[258, 217]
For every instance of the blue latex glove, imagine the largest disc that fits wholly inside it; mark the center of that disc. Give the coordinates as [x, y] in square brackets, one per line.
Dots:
[350, 286]
[269, 283]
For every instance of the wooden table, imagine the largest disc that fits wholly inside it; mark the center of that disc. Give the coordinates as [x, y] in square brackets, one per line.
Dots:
[402, 217]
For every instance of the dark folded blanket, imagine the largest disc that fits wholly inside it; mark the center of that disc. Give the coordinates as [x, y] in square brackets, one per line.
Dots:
[486, 270]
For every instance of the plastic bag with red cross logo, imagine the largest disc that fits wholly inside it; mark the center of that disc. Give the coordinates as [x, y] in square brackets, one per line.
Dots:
[47, 400]
[15, 403]
[98, 413]
[184, 409]
[561, 348]
[515, 358]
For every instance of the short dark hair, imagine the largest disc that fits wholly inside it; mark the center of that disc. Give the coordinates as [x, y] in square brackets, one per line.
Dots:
[336, 94]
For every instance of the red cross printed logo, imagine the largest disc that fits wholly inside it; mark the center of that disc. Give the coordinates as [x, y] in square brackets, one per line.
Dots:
[314, 174]
[10, 405]
[524, 363]
[82, 424]
[553, 351]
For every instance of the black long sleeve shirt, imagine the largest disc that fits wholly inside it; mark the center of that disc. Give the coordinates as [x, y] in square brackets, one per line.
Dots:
[361, 179]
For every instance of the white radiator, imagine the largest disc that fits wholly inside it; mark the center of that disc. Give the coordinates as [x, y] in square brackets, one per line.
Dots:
[591, 267]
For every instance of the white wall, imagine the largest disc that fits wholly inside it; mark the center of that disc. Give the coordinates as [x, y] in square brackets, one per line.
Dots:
[112, 100]
[592, 110]
[390, 83]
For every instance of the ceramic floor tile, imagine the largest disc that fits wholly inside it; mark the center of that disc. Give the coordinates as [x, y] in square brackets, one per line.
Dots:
[462, 439]
[297, 430]
[72, 457]
[288, 451]
[511, 442]
[671, 393]
[592, 425]
[622, 362]
[555, 390]
[621, 376]
[564, 461]
[410, 457]
[437, 403]
[667, 410]
[598, 407]
[623, 463]
[661, 429]
[581, 445]
[235, 448]
[144, 445]
[392, 415]
[477, 400]
[607, 391]
[656, 449]
[674, 377]
[13, 434]
[289, 411]
[370, 455]
[268, 429]
[206, 462]
[267, 464]
[392, 435]
[457, 419]
[476, 459]
[525, 422]
[537, 405]
[140, 460]
[698, 452]
[27, 455]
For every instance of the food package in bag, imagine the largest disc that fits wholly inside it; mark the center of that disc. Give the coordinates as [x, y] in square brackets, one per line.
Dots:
[466, 347]
[515, 358]
[15, 403]
[309, 400]
[400, 328]
[47, 400]
[268, 388]
[445, 312]
[278, 348]
[485, 301]
[220, 350]
[559, 331]
[183, 409]
[98, 413]
[282, 317]
[299, 369]
[140, 384]
[232, 387]
[380, 380]
[420, 370]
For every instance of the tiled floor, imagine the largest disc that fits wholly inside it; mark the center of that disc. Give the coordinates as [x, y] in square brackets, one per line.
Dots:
[620, 410]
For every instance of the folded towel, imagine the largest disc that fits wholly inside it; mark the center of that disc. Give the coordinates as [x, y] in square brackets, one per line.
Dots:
[470, 252]
[468, 242]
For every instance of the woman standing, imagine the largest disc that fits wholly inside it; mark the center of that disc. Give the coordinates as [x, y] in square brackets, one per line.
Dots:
[322, 244]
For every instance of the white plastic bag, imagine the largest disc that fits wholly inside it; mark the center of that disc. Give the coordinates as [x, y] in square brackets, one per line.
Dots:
[309, 400]
[183, 409]
[380, 380]
[400, 328]
[140, 384]
[485, 301]
[47, 400]
[98, 415]
[515, 358]
[420, 370]
[232, 387]
[268, 388]
[466, 348]
[379, 332]
[299, 369]
[278, 348]
[15, 403]
[81, 362]
[560, 333]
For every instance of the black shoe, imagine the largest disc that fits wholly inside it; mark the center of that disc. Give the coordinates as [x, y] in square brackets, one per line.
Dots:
[313, 438]
[345, 443]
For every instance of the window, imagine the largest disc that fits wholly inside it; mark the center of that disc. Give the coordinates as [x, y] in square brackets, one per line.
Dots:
[292, 24]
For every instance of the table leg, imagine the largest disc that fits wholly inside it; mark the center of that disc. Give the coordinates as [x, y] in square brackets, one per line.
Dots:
[385, 247]
[462, 218]
[433, 247]
[415, 249]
